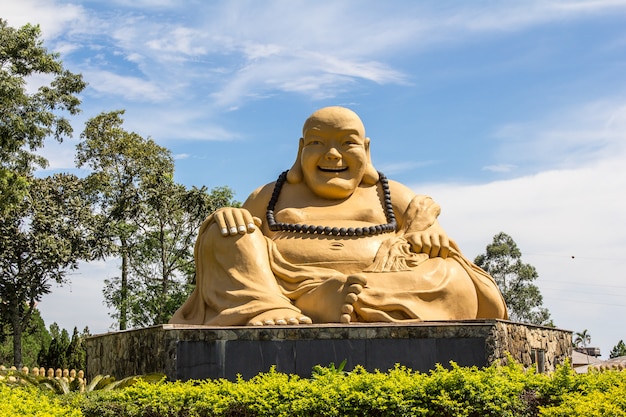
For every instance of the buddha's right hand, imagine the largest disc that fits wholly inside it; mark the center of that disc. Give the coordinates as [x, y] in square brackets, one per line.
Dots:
[233, 220]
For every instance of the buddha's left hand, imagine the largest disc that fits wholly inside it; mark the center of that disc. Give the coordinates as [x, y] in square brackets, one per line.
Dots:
[432, 242]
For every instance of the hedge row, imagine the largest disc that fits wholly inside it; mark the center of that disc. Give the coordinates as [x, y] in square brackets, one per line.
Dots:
[494, 391]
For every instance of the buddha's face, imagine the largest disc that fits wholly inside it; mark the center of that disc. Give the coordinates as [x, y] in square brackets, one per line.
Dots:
[334, 155]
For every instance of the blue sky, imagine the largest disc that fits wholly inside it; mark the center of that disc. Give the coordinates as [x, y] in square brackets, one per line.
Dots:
[511, 114]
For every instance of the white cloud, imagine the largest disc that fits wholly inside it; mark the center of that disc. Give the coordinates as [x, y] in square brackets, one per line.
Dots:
[313, 49]
[517, 15]
[173, 122]
[143, 4]
[180, 40]
[392, 168]
[585, 6]
[255, 51]
[566, 138]
[60, 156]
[372, 70]
[81, 302]
[52, 16]
[555, 211]
[499, 168]
[131, 88]
[315, 75]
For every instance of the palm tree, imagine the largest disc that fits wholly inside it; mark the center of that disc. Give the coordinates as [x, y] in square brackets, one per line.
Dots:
[582, 339]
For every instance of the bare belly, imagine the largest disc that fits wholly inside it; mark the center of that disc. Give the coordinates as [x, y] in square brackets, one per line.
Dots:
[342, 253]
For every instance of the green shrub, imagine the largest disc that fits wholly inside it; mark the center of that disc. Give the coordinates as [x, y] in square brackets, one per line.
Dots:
[21, 400]
[494, 391]
[455, 391]
[594, 394]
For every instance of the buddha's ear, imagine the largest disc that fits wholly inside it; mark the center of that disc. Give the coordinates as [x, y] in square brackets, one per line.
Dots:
[295, 176]
[370, 176]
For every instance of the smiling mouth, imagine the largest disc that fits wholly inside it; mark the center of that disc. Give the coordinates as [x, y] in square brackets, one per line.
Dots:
[333, 169]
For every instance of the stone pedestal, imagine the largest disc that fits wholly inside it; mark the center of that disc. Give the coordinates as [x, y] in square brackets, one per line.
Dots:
[198, 352]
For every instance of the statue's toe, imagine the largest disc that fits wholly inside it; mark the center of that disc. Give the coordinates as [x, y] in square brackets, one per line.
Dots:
[357, 280]
[351, 298]
[279, 317]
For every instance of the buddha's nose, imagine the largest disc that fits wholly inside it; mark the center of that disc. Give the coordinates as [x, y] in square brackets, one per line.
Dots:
[333, 153]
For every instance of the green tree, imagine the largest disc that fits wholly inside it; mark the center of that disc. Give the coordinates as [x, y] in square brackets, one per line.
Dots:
[121, 162]
[34, 339]
[503, 261]
[28, 118]
[64, 352]
[618, 350]
[41, 239]
[148, 220]
[56, 355]
[77, 351]
[582, 339]
[162, 268]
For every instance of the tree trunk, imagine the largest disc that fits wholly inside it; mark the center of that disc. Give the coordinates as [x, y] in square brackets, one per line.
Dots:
[17, 337]
[124, 286]
[164, 277]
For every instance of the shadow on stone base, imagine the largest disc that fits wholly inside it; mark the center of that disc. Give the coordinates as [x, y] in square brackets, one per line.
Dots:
[199, 352]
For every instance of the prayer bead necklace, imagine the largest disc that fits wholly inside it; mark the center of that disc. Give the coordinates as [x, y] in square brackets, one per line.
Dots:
[327, 230]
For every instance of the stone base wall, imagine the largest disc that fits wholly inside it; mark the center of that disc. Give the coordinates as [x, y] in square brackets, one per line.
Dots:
[527, 343]
[197, 352]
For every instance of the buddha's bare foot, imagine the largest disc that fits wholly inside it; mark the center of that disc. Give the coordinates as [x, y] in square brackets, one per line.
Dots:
[333, 300]
[353, 287]
[279, 316]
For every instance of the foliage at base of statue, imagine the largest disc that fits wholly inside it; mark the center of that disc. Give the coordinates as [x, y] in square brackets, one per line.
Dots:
[457, 391]
[30, 401]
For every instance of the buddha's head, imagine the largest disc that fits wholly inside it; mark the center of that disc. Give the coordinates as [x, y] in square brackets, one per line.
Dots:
[334, 154]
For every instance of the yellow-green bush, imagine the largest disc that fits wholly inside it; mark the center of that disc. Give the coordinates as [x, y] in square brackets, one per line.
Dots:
[595, 394]
[457, 391]
[29, 401]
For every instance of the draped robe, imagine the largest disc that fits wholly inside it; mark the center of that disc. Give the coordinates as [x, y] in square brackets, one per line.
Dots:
[239, 277]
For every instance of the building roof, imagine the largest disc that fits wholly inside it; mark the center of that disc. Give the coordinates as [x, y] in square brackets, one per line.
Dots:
[618, 363]
[579, 358]
[581, 362]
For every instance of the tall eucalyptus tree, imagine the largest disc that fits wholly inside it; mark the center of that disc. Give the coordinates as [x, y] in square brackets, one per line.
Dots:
[503, 261]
